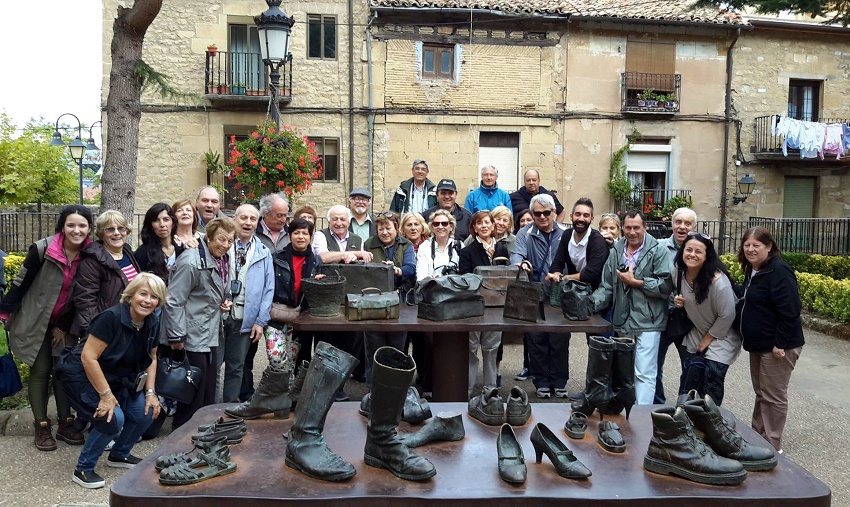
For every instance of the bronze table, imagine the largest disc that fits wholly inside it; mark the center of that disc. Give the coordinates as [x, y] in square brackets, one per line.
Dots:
[451, 338]
[466, 471]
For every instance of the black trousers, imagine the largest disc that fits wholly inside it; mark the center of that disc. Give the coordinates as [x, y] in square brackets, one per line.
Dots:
[549, 359]
[206, 390]
[246, 391]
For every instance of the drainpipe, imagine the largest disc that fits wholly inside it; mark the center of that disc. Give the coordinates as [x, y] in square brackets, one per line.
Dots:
[726, 116]
[350, 95]
[371, 120]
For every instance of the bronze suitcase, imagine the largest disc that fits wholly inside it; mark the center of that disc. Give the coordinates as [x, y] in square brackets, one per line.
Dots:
[372, 304]
[360, 275]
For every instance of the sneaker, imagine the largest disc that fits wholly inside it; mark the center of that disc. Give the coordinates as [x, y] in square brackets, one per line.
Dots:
[341, 395]
[544, 392]
[579, 396]
[561, 392]
[522, 375]
[109, 446]
[129, 462]
[88, 479]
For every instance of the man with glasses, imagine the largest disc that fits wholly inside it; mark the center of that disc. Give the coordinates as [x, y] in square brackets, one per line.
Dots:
[636, 281]
[274, 210]
[488, 195]
[446, 200]
[521, 199]
[361, 223]
[548, 353]
[684, 221]
[250, 264]
[416, 194]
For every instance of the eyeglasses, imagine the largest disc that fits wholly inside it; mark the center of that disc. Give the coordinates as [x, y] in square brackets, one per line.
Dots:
[440, 224]
[112, 230]
[609, 215]
[544, 213]
[360, 198]
[700, 234]
[388, 214]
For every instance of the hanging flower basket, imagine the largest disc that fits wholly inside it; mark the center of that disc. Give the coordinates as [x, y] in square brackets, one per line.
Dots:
[269, 161]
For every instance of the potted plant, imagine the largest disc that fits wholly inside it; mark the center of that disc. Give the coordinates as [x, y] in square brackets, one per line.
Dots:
[238, 88]
[211, 87]
[212, 50]
[648, 98]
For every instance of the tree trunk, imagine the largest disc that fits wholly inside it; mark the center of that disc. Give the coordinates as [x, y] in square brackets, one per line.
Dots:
[123, 106]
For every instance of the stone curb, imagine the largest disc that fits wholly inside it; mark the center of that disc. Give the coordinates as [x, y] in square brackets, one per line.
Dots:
[826, 326]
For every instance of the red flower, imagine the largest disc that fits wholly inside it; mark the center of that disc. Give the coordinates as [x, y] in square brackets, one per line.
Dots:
[252, 195]
[263, 183]
[238, 185]
[279, 183]
[255, 135]
[253, 161]
[263, 169]
[279, 166]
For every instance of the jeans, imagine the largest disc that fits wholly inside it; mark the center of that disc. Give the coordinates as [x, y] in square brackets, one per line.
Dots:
[646, 365]
[549, 359]
[232, 350]
[246, 390]
[713, 380]
[374, 341]
[663, 346]
[127, 425]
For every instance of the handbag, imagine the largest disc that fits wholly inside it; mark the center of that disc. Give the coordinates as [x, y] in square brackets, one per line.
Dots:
[678, 323]
[372, 304]
[10, 379]
[575, 299]
[177, 380]
[284, 314]
[449, 297]
[524, 299]
[494, 283]
[693, 373]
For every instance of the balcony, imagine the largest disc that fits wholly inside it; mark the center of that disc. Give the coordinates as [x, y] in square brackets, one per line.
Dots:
[240, 80]
[644, 93]
[769, 146]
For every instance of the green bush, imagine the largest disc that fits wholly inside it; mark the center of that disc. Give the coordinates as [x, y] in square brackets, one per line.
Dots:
[731, 262]
[827, 265]
[12, 266]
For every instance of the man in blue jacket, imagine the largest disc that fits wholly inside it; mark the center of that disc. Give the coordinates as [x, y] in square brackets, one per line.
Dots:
[537, 243]
[488, 195]
[636, 281]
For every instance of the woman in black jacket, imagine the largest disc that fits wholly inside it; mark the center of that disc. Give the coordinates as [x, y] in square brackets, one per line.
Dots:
[158, 251]
[770, 325]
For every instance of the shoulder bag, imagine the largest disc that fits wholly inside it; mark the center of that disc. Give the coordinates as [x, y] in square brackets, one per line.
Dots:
[284, 314]
[678, 323]
[177, 380]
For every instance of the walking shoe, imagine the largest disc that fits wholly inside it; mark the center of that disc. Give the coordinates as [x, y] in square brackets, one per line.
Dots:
[488, 407]
[544, 392]
[44, 435]
[522, 375]
[88, 479]
[561, 392]
[129, 462]
[109, 446]
[518, 410]
[68, 434]
[341, 395]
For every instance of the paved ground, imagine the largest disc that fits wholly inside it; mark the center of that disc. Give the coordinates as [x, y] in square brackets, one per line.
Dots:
[814, 437]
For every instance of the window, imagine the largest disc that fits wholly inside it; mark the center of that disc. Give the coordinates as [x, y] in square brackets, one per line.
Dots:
[650, 65]
[328, 149]
[321, 36]
[501, 150]
[245, 67]
[803, 99]
[437, 61]
[647, 166]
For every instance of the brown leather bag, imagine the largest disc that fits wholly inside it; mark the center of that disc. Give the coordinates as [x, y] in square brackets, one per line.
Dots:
[494, 283]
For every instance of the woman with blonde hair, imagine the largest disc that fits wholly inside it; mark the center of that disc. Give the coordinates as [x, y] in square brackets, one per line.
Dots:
[414, 229]
[610, 228]
[186, 229]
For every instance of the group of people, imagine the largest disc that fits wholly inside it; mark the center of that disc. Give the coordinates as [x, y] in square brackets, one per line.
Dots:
[91, 316]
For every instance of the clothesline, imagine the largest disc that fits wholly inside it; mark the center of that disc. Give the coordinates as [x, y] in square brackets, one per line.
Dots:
[813, 139]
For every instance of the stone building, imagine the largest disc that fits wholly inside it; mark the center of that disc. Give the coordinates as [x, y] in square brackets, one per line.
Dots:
[800, 69]
[528, 84]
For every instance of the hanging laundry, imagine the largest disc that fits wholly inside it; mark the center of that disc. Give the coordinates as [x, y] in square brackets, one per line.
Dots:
[832, 143]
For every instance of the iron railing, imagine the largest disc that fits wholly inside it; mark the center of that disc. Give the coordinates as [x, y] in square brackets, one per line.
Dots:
[639, 92]
[237, 73]
[765, 142]
[644, 199]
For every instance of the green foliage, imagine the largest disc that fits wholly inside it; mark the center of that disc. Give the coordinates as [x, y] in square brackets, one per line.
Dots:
[31, 170]
[12, 266]
[835, 11]
[827, 265]
[734, 268]
[160, 83]
[619, 187]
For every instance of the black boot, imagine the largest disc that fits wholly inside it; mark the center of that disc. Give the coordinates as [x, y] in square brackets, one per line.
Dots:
[707, 419]
[392, 373]
[623, 376]
[298, 383]
[675, 449]
[597, 392]
[306, 450]
[271, 396]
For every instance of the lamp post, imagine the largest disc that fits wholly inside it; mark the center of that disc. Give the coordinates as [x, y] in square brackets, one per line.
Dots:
[76, 147]
[274, 28]
[746, 185]
[90, 144]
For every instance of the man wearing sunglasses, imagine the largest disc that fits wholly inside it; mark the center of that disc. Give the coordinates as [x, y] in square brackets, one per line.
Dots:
[684, 221]
[416, 194]
[521, 199]
[488, 195]
[548, 353]
[636, 281]
[446, 199]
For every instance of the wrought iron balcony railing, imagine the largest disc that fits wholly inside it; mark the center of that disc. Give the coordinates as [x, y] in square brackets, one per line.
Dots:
[650, 93]
[652, 201]
[234, 73]
[767, 143]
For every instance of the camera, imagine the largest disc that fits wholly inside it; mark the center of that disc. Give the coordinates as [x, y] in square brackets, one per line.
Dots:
[140, 381]
[622, 268]
[235, 289]
[450, 269]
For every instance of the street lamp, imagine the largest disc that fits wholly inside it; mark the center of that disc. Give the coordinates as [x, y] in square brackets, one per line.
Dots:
[746, 185]
[77, 148]
[90, 144]
[274, 28]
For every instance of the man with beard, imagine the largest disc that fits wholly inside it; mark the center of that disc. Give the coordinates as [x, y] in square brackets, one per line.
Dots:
[521, 198]
[684, 221]
[582, 251]
[208, 204]
[446, 195]
[361, 223]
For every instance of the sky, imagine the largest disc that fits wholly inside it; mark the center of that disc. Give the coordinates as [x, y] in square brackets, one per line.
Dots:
[51, 60]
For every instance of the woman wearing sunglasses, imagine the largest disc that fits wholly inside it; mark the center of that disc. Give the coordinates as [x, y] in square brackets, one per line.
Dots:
[439, 254]
[709, 300]
[107, 266]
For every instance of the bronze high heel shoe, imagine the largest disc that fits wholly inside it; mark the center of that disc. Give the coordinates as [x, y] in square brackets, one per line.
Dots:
[566, 464]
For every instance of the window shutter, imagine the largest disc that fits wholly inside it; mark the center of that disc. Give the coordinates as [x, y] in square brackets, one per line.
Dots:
[647, 162]
[799, 198]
